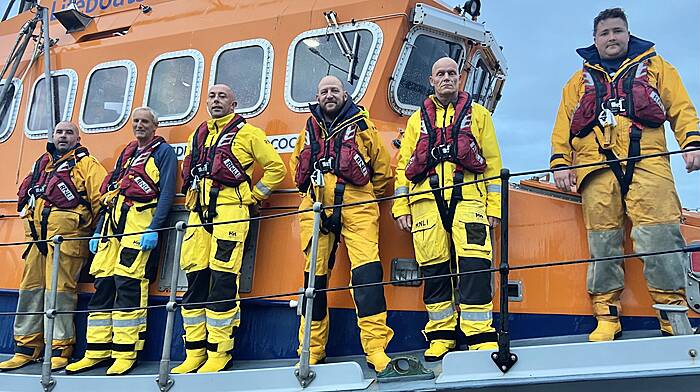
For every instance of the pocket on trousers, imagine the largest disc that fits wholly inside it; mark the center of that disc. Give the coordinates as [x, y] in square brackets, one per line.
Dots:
[471, 231]
[195, 249]
[429, 240]
[128, 256]
[224, 250]
[476, 233]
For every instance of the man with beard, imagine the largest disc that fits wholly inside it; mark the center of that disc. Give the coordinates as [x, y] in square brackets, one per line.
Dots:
[61, 196]
[339, 158]
[448, 141]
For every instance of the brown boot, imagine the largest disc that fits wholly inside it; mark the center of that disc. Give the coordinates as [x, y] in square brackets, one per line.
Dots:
[606, 309]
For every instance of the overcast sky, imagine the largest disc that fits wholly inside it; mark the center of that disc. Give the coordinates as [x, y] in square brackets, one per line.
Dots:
[539, 39]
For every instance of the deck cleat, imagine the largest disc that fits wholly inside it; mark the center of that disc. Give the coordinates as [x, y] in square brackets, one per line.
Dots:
[405, 368]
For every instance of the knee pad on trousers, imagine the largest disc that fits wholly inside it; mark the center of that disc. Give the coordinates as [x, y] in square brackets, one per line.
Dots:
[474, 289]
[368, 300]
[320, 306]
[437, 290]
[224, 285]
[197, 288]
[129, 290]
[105, 293]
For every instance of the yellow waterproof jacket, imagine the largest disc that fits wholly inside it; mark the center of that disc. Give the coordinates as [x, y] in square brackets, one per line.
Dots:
[250, 144]
[372, 149]
[488, 192]
[87, 175]
[583, 150]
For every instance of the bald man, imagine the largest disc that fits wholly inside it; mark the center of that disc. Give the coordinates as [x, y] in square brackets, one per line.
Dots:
[61, 196]
[217, 181]
[451, 140]
[341, 150]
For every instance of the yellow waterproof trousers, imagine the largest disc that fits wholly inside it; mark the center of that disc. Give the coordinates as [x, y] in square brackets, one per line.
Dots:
[360, 234]
[472, 243]
[36, 282]
[119, 268]
[654, 210]
[211, 258]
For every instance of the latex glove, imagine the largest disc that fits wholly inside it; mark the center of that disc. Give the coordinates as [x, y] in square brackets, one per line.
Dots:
[94, 243]
[149, 240]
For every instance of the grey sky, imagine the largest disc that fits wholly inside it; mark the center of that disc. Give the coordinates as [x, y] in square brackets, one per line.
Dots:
[539, 39]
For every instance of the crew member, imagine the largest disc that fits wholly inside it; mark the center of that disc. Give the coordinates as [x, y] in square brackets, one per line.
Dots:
[61, 196]
[216, 172]
[451, 140]
[615, 107]
[136, 197]
[339, 158]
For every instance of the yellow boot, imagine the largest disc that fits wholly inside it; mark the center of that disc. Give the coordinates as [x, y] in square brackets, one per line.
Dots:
[194, 360]
[21, 359]
[121, 366]
[86, 364]
[606, 309]
[378, 360]
[216, 362]
[606, 330]
[438, 348]
[484, 346]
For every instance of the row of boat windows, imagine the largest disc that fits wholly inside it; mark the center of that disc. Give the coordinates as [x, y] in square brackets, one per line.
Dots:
[174, 80]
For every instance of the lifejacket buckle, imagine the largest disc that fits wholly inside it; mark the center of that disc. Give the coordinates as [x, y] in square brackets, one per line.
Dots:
[325, 165]
[441, 152]
[617, 106]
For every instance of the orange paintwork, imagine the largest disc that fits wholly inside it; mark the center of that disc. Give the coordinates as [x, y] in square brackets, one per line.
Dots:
[542, 228]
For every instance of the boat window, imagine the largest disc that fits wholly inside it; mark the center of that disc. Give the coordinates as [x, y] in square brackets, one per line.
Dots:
[317, 53]
[9, 108]
[246, 67]
[410, 84]
[479, 81]
[108, 96]
[65, 83]
[173, 86]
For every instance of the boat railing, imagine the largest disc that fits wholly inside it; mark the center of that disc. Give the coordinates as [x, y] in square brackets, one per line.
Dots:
[503, 358]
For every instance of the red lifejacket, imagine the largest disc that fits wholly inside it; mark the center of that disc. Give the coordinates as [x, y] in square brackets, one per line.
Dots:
[130, 174]
[337, 154]
[216, 162]
[56, 186]
[454, 143]
[629, 95]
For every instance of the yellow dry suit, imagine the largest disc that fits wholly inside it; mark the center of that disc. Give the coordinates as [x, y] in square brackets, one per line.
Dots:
[454, 217]
[212, 255]
[355, 167]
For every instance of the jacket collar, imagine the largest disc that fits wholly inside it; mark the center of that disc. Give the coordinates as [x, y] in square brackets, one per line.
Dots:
[219, 123]
[635, 48]
[348, 114]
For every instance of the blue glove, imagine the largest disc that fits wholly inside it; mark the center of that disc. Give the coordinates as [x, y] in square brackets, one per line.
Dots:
[94, 242]
[149, 240]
